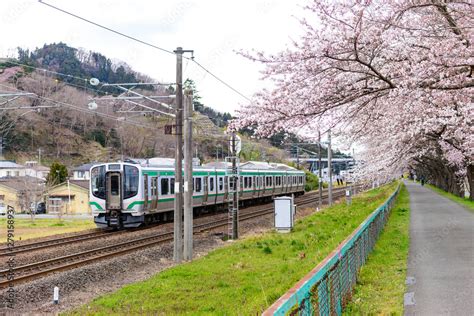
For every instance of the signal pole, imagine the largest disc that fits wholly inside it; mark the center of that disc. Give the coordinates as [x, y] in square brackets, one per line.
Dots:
[188, 175]
[329, 168]
[235, 180]
[178, 161]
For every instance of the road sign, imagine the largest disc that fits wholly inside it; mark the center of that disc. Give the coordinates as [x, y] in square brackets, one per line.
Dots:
[238, 145]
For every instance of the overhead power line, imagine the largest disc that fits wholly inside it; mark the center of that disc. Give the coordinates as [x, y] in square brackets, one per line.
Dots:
[147, 44]
[107, 28]
[85, 110]
[222, 81]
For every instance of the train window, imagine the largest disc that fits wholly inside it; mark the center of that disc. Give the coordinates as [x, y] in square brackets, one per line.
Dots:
[114, 185]
[171, 185]
[211, 184]
[250, 182]
[130, 182]
[165, 186]
[221, 184]
[198, 186]
[246, 182]
[98, 182]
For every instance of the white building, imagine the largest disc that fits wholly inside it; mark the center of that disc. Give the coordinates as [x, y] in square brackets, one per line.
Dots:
[11, 169]
[33, 169]
[82, 172]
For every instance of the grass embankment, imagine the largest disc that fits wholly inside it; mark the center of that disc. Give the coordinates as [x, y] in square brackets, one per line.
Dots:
[41, 227]
[381, 283]
[464, 201]
[244, 277]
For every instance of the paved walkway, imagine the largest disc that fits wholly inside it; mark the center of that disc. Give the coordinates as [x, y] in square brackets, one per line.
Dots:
[440, 273]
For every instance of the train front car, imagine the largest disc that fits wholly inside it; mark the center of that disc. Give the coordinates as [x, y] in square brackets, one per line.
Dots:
[116, 195]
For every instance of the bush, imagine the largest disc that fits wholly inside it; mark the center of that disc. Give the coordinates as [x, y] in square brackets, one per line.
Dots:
[312, 181]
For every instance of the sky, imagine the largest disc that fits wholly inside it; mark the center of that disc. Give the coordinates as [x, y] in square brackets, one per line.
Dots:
[214, 29]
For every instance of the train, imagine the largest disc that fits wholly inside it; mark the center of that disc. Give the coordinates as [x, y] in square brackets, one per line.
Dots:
[132, 193]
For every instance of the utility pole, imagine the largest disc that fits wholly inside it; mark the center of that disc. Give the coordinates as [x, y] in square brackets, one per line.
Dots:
[178, 163]
[320, 188]
[329, 168]
[188, 175]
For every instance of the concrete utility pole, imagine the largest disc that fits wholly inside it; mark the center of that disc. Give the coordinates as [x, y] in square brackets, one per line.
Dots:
[329, 168]
[178, 163]
[188, 175]
[320, 188]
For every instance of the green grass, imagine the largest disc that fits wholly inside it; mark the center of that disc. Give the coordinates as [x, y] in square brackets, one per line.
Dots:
[25, 228]
[247, 276]
[464, 201]
[381, 283]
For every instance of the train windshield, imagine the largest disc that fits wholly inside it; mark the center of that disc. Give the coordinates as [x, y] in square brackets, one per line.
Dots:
[130, 182]
[98, 182]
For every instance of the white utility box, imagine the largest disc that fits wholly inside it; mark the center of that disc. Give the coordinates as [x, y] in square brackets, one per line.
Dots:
[284, 213]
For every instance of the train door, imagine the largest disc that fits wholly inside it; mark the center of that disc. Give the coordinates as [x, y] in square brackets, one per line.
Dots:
[240, 187]
[218, 181]
[114, 191]
[264, 184]
[154, 192]
[254, 186]
[206, 191]
[145, 191]
[226, 188]
[273, 184]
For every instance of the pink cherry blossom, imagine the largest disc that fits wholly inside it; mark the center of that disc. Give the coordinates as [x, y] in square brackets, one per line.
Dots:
[395, 77]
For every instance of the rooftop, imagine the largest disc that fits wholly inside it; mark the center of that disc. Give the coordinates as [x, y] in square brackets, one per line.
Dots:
[7, 164]
[84, 167]
[22, 183]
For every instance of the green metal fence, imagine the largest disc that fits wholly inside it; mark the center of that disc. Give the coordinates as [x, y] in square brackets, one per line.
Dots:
[327, 289]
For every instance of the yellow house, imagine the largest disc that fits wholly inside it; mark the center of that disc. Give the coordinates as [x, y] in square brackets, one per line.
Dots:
[20, 192]
[70, 197]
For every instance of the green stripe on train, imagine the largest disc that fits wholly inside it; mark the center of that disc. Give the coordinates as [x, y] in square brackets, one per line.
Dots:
[96, 205]
[194, 197]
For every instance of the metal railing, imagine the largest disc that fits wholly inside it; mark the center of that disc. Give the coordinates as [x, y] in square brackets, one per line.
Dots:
[328, 288]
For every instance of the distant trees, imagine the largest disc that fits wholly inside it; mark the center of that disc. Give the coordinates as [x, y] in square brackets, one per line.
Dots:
[57, 174]
[78, 63]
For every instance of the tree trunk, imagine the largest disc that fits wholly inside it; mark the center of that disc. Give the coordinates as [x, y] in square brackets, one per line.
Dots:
[470, 181]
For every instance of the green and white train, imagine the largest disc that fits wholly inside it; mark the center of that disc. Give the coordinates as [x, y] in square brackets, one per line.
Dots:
[129, 194]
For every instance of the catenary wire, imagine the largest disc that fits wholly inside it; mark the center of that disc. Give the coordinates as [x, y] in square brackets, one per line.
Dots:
[147, 44]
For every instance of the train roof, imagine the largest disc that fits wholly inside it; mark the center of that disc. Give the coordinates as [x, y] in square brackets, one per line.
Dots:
[168, 163]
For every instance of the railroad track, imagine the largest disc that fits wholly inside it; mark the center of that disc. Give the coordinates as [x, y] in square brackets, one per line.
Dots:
[5, 251]
[33, 246]
[35, 270]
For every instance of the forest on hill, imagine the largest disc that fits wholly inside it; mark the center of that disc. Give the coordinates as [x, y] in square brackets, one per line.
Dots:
[59, 123]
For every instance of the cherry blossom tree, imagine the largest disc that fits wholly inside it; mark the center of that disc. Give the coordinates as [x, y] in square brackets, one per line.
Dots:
[393, 76]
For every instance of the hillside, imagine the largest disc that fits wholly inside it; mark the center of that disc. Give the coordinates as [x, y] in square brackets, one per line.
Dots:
[59, 123]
